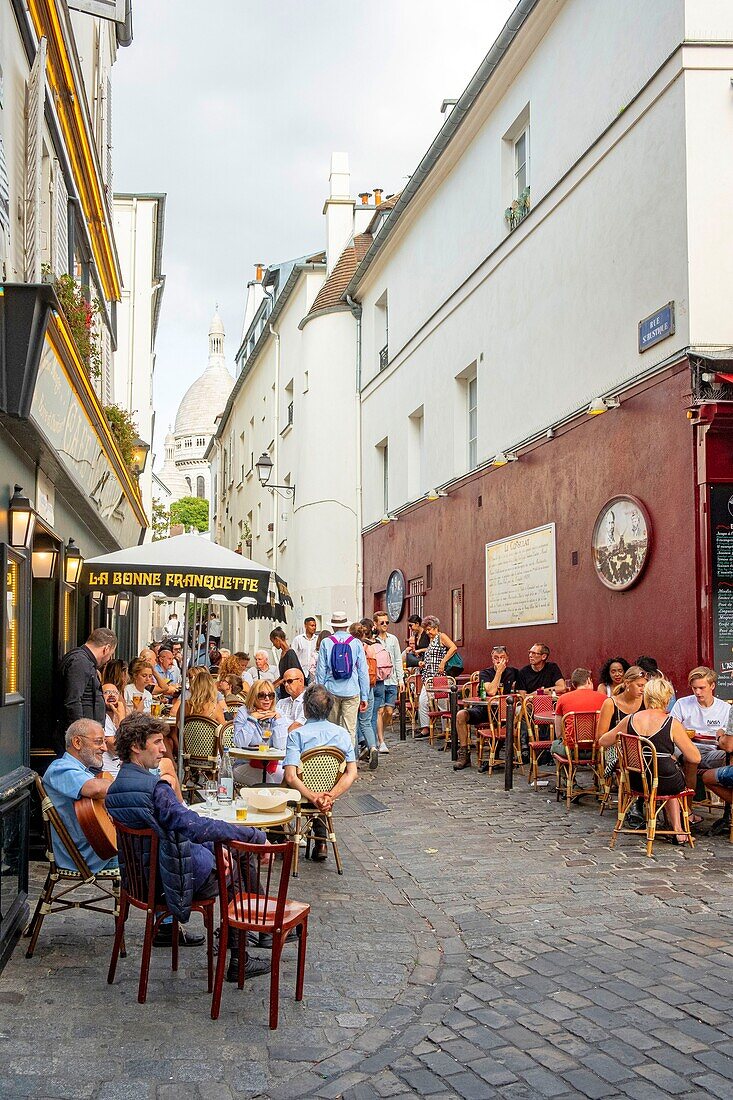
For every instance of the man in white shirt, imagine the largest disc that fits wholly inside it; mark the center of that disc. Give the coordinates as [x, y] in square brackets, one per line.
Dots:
[262, 670]
[394, 683]
[704, 714]
[305, 644]
[292, 706]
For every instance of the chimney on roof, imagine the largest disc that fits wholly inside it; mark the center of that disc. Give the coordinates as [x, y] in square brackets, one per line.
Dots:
[259, 268]
[378, 196]
[364, 196]
[339, 210]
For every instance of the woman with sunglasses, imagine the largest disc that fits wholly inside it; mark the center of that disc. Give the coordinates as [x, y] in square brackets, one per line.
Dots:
[259, 723]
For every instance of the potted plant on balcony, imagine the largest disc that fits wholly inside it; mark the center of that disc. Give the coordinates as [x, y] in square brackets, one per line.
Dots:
[518, 210]
[81, 316]
[124, 430]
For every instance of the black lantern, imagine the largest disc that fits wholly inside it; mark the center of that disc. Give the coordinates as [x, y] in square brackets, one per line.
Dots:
[123, 604]
[72, 562]
[264, 468]
[21, 519]
[44, 556]
[139, 455]
[111, 602]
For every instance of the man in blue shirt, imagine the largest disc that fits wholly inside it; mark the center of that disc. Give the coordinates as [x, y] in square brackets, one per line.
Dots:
[69, 778]
[318, 732]
[350, 694]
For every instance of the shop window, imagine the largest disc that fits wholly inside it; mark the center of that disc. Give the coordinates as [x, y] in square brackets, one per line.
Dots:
[456, 603]
[12, 628]
[380, 601]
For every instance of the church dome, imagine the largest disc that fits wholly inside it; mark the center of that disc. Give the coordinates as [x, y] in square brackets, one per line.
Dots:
[203, 401]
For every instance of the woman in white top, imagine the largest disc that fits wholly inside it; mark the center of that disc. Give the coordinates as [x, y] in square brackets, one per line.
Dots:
[137, 694]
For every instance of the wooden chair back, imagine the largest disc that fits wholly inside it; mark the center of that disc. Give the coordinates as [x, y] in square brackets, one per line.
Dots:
[52, 821]
[200, 738]
[138, 855]
[248, 890]
[321, 768]
[579, 729]
[638, 756]
[226, 736]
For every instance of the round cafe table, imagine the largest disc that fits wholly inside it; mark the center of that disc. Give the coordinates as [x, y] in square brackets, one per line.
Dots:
[266, 755]
[258, 819]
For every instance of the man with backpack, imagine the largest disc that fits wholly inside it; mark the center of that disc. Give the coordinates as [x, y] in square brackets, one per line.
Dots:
[342, 669]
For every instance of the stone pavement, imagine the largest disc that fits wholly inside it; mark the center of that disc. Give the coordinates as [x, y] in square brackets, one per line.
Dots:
[480, 944]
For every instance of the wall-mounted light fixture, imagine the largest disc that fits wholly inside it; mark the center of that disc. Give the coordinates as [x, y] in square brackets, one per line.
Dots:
[503, 457]
[21, 520]
[44, 556]
[140, 451]
[600, 405]
[111, 601]
[435, 494]
[73, 562]
[123, 604]
[388, 518]
[263, 466]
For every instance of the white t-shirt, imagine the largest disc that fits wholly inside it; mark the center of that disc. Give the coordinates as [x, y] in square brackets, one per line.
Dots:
[130, 691]
[702, 719]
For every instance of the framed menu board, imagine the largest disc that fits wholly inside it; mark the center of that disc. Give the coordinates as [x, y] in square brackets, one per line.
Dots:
[721, 544]
[521, 579]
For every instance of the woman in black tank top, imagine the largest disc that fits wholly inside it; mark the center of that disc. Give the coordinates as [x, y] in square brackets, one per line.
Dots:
[667, 735]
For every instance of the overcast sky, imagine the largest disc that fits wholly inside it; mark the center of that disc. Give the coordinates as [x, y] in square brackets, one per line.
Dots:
[232, 108]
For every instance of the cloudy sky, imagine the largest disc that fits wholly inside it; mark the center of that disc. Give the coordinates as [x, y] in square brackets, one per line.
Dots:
[232, 108]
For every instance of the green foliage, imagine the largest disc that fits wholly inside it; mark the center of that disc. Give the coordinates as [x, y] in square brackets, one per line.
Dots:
[81, 316]
[192, 512]
[124, 430]
[518, 210]
[161, 520]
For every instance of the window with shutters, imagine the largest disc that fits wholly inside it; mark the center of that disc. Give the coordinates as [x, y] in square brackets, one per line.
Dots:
[34, 103]
[60, 260]
[456, 603]
[416, 596]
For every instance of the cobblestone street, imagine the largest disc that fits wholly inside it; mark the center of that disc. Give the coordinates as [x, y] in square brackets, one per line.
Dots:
[480, 944]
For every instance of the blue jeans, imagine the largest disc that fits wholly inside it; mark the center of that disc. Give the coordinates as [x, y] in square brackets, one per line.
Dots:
[365, 730]
[378, 691]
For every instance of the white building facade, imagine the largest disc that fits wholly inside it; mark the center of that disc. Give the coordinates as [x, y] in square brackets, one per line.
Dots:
[491, 321]
[296, 399]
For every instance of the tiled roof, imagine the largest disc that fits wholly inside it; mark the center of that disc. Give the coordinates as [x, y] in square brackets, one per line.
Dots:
[331, 293]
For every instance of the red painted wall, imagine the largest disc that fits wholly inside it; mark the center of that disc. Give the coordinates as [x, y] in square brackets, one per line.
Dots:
[644, 449]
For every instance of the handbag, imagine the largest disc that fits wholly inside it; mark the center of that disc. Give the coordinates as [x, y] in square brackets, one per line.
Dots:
[455, 664]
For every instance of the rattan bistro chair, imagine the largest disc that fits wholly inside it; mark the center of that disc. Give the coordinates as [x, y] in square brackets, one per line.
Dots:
[637, 756]
[64, 889]
[226, 736]
[200, 747]
[320, 770]
[440, 690]
[538, 716]
[579, 742]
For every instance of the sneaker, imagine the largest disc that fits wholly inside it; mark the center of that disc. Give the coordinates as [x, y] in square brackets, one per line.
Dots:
[253, 967]
[164, 937]
[373, 760]
[383, 748]
[364, 753]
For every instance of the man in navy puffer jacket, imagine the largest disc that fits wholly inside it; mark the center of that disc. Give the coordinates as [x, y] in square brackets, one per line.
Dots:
[140, 799]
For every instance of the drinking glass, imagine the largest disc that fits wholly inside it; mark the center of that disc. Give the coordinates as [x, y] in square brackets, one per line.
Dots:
[211, 791]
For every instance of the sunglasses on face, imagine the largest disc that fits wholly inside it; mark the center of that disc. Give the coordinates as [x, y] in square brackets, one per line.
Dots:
[266, 695]
[292, 680]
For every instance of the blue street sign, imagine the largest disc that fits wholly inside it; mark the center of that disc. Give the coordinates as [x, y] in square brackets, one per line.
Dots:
[658, 326]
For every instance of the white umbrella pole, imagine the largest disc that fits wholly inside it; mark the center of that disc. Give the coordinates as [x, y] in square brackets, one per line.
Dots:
[182, 708]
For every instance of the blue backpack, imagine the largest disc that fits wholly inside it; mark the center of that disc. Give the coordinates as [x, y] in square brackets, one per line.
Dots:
[342, 659]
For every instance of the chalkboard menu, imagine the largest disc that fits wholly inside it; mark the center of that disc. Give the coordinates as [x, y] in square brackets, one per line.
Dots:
[721, 541]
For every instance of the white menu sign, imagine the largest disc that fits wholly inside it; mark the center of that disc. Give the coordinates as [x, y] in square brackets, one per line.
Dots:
[521, 581]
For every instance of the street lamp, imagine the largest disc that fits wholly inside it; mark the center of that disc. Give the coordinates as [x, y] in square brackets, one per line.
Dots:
[21, 519]
[139, 455]
[44, 556]
[264, 473]
[73, 562]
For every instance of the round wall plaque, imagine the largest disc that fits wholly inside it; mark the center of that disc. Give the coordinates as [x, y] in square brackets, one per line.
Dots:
[395, 595]
[622, 538]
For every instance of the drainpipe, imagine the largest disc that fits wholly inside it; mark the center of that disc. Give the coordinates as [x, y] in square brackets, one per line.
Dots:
[355, 308]
[276, 449]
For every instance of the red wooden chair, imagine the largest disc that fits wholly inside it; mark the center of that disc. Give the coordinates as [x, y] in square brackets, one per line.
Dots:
[579, 741]
[250, 902]
[440, 689]
[538, 716]
[138, 850]
[638, 756]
